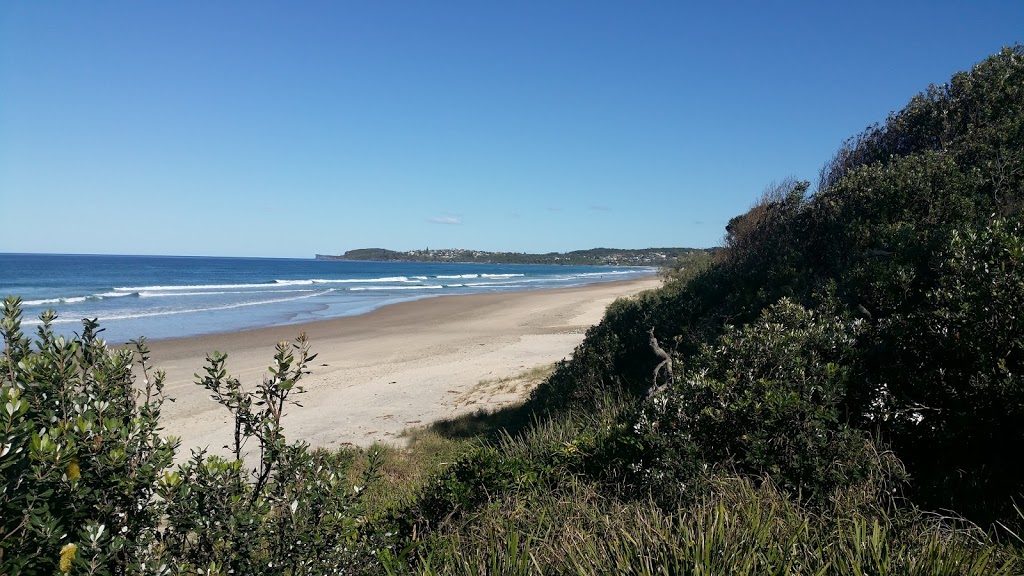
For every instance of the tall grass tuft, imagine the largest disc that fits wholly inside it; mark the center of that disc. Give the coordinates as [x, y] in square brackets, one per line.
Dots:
[557, 520]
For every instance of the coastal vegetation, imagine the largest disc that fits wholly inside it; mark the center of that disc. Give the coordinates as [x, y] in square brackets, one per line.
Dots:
[592, 257]
[845, 397]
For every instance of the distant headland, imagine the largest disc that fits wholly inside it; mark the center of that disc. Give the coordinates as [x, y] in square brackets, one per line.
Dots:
[593, 257]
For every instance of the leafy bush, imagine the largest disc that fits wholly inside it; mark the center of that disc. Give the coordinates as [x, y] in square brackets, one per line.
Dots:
[735, 525]
[768, 398]
[914, 230]
[954, 397]
[87, 479]
[80, 453]
[976, 118]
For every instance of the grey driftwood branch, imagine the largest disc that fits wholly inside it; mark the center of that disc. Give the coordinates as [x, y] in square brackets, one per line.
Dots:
[665, 366]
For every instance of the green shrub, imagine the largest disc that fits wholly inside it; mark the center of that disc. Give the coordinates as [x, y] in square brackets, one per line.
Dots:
[768, 398]
[87, 480]
[80, 453]
[737, 525]
[900, 235]
[953, 397]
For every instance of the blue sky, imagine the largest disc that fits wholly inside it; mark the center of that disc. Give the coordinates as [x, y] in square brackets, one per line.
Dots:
[290, 128]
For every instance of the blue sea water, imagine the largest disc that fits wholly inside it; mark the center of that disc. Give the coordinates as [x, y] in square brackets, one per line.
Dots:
[175, 296]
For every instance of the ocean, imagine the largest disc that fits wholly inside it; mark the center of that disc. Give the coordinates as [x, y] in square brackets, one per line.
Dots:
[176, 296]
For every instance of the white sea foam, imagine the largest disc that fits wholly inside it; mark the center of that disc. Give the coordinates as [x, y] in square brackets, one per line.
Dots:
[189, 287]
[301, 282]
[133, 316]
[354, 280]
[44, 302]
[514, 282]
[115, 294]
[217, 292]
[500, 275]
[456, 276]
[365, 288]
[76, 299]
[49, 301]
[609, 273]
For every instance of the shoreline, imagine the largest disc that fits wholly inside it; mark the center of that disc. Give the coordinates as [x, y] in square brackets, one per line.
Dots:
[315, 326]
[399, 365]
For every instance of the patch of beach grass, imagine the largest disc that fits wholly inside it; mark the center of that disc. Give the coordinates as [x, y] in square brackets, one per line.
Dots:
[405, 470]
[520, 384]
[542, 516]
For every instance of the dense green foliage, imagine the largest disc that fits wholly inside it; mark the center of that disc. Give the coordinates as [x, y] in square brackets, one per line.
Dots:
[863, 339]
[80, 454]
[87, 479]
[536, 512]
[910, 254]
[847, 366]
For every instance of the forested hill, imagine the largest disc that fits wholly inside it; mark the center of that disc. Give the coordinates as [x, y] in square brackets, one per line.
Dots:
[594, 256]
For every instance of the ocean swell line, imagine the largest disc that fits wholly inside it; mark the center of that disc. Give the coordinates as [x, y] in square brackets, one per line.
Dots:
[365, 288]
[77, 299]
[302, 282]
[185, 311]
[219, 292]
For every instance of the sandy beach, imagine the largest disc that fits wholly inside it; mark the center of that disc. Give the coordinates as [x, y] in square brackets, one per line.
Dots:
[399, 366]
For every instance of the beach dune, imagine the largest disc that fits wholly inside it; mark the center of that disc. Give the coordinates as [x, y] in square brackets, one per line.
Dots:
[399, 366]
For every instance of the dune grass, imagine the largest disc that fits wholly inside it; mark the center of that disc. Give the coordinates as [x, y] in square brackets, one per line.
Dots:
[555, 519]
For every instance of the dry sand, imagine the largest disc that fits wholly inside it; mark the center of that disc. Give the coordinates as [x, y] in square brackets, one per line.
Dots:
[399, 366]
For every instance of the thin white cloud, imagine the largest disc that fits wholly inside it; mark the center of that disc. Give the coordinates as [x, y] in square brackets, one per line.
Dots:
[445, 220]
